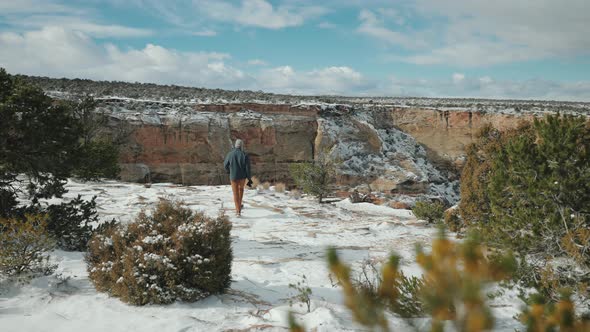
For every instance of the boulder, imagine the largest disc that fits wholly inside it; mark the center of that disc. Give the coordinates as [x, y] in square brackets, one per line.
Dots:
[410, 186]
[357, 197]
[400, 205]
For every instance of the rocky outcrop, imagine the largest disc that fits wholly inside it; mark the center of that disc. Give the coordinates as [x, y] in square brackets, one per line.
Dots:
[446, 133]
[371, 151]
[180, 145]
[190, 148]
[387, 149]
[398, 145]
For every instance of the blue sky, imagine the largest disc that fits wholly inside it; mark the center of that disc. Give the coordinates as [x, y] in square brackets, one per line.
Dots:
[535, 49]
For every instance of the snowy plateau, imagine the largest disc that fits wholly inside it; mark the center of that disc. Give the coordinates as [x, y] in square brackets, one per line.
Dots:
[277, 241]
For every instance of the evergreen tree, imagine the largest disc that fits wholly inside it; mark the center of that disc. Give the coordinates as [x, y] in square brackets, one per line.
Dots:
[48, 141]
[474, 205]
[38, 138]
[539, 188]
[314, 178]
[532, 194]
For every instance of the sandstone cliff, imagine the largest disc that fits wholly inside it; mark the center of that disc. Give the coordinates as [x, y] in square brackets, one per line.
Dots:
[168, 143]
[448, 132]
[408, 145]
[189, 148]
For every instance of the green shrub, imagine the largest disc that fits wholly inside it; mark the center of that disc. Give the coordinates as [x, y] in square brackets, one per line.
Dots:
[474, 206]
[303, 294]
[314, 178]
[48, 141]
[171, 254]
[533, 194]
[407, 304]
[429, 211]
[24, 244]
[98, 159]
[71, 224]
[453, 220]
[541, 316]
[454, 277]
[539, 190]
[8, 202]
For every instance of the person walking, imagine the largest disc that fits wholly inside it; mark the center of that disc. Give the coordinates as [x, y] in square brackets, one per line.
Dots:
[237, 164]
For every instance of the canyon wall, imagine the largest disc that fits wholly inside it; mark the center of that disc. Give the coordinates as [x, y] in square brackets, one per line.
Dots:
[380, 147]
[447, 133]
[391, 144]
[190, 148]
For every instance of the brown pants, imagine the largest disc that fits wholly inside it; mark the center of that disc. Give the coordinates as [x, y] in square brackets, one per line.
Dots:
[237, 186]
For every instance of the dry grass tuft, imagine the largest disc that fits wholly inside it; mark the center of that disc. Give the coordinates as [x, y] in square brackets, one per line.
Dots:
[255, 182]
[280, 187]
[295, 193]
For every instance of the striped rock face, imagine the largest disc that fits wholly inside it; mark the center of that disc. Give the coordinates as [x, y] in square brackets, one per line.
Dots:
[190, 148]
[390, 149]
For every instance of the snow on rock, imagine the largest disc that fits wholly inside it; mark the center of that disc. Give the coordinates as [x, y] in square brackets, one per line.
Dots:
[373, 151]
[373, 209]
[187, 146]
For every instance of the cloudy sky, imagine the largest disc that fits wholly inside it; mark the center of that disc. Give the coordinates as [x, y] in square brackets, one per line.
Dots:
[530, 49]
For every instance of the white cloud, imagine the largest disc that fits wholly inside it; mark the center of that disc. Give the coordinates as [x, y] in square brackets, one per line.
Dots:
[177, 13]
[392, 14]
[59, 52]
[487, 87]
[467, 33]
[329, 81]
[486, 80]
[79, 25]
[374, 26]
[204, 33]
[257, 62]
[327, 25]
[458, 78]
[558, 28]
[258, 13]
[24, 15]
[48, 51]
[158, 64]
[473, 54]
[34, 6]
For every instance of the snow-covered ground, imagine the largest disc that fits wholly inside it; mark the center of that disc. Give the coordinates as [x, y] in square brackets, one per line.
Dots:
[277, 240]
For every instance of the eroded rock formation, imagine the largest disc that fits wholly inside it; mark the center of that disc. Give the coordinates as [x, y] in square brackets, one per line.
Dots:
[388, 149]
[448, 132]
[188, 145]
[189, 148]
[398, 145]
